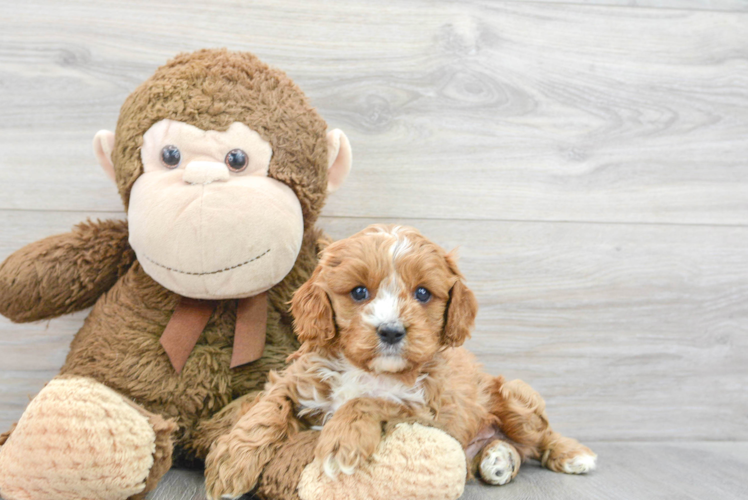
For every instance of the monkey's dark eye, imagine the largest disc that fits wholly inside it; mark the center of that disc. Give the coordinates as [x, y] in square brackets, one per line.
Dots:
[422, 295]
[237, 160]
[171, 156]
[359, 293]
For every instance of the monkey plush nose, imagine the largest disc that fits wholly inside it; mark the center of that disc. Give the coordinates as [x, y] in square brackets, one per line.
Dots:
[391, 334]
[205, 172]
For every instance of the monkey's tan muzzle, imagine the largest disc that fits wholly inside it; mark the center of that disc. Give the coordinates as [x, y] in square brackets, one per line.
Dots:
[205, 172]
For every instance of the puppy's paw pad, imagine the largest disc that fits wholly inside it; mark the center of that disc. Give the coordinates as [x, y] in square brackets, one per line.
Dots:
[333, 466]
[499, 463]
[580, 464]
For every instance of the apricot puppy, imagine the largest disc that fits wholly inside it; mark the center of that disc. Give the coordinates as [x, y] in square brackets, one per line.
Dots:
[381, 321]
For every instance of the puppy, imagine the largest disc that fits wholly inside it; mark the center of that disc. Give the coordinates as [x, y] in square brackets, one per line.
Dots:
[381, 322]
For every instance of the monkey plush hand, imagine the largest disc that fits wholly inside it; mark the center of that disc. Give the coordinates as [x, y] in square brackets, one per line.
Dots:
[223, 167]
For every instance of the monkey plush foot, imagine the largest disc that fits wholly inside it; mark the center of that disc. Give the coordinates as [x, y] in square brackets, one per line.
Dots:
[413, 461]
[80, 439]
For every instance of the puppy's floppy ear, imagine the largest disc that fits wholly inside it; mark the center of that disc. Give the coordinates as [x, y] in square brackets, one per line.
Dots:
[312, 311]
[461, 308]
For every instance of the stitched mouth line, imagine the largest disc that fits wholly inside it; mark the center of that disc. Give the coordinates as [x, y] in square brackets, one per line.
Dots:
[210, 272]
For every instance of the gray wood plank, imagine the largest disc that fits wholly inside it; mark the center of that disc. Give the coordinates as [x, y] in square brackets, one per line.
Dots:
[180, 484]
[482, 110]
[689, 470]
[646, 471]
[630, 332]
[637, 471]
[724, 5]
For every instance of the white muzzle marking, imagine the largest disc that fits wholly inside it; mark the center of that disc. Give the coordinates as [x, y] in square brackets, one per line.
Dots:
[385, 308]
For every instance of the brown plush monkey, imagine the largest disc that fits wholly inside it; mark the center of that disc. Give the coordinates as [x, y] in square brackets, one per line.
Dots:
[223, 167]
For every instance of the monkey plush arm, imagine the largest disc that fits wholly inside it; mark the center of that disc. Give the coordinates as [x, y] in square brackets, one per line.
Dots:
[64, 273]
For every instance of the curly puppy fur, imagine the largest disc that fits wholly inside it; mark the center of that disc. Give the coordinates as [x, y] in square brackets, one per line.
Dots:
[353, 383]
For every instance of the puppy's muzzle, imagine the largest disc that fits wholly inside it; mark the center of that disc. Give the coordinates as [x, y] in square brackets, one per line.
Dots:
[391, 334]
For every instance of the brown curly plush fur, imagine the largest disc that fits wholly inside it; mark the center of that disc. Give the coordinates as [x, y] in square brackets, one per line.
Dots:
[64, 273]
[118, 344]
[211, 89]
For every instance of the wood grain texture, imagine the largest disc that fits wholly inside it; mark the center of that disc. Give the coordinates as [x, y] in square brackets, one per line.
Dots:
[686, 471]
[591, 161]
[477, 110]
[724, 5]
[182, 485]
[630, 332]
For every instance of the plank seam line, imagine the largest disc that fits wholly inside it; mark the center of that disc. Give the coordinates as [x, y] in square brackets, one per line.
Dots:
[538, 221]
[629, 6]
[95, 213]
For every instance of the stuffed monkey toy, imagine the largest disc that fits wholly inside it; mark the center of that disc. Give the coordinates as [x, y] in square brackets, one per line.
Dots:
[223, 167]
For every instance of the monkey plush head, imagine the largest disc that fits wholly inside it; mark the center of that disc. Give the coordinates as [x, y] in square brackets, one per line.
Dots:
[222, 164]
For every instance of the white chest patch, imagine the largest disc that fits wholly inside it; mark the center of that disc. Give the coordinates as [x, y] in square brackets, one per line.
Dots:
[347, 382]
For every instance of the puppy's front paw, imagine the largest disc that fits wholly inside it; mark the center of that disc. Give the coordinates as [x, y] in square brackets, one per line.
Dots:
[230, 473]
[345, 462]
[571, 459]
[580, 464]
[344, 445]
[340, 455]
[412, 461]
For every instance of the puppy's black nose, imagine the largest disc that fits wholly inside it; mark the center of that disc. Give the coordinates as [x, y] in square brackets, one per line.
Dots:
[391, 334]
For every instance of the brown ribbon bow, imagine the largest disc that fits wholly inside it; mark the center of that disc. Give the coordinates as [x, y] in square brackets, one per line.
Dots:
[191, 316]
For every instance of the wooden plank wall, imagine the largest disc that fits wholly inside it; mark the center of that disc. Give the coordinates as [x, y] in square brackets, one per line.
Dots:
[589, 158]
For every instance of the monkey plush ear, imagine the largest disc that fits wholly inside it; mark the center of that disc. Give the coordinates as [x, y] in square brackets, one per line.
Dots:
[339, 159]
[313, 316]
[103, 145]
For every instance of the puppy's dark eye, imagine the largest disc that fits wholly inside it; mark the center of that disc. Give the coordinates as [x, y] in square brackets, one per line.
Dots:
[422, 295]
[171, 156]
[237, 160]
[359, 293]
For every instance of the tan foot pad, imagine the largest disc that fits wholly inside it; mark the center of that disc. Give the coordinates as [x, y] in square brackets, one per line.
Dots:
[77, 439]
[499, 463]
[414, 462]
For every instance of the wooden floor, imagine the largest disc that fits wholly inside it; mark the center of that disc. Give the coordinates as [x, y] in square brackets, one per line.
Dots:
[628, 471]
[589, 158]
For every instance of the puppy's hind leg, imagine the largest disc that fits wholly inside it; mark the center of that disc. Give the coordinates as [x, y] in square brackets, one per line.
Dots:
[523, 419]
[499, 463]
[492, 458]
